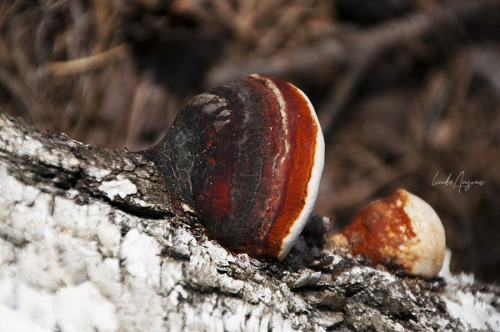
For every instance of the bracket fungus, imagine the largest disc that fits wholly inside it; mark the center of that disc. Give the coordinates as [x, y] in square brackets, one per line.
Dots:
[400, 231]
[246, 159]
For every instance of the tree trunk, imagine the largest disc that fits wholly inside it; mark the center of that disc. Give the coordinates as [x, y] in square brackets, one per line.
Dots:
[89, 242]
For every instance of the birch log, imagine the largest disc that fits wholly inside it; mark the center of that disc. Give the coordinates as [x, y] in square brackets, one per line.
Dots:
[89, 242]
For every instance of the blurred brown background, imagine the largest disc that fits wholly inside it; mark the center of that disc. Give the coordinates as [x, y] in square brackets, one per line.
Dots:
[404, 89]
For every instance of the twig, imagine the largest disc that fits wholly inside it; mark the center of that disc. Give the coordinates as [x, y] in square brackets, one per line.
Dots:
[78, 66]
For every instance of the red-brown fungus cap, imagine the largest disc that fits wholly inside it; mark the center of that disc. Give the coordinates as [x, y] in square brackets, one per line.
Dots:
[401, 230]
[246, 158]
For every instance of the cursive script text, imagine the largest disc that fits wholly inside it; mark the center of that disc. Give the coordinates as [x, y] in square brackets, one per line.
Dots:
[459, 182]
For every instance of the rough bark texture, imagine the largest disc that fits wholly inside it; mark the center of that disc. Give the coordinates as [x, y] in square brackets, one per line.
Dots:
[88, 242]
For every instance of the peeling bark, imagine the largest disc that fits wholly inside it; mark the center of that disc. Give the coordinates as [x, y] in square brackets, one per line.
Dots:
[88, 241]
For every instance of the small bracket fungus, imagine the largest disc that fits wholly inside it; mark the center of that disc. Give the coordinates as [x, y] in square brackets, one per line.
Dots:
[246, 159]
[401, 230]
